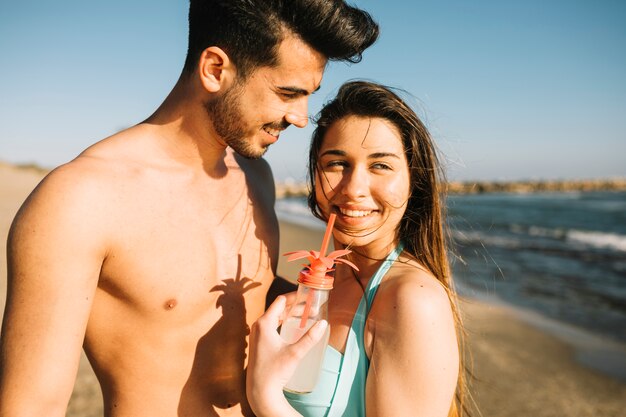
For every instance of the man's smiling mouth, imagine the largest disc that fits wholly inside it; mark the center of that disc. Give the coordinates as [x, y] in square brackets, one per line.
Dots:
[273, 132]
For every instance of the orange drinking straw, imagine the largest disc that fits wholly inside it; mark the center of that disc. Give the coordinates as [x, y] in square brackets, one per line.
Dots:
[329, 230]
[317, 269]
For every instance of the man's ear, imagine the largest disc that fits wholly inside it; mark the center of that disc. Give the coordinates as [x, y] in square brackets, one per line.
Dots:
[215, 69]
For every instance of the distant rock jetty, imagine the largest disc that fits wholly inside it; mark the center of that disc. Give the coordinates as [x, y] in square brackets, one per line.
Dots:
[479, 187]
[295, 189]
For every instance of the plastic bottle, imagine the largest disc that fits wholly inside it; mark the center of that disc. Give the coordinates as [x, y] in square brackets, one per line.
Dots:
[297, 324]
[311, 306]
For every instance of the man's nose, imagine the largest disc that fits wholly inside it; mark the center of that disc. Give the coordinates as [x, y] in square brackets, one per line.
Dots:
[298, 114]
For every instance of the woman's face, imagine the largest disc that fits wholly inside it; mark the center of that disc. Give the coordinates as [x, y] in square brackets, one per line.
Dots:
[363, 177]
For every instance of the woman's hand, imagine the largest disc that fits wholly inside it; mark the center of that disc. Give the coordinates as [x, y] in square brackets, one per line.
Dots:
[272, 361]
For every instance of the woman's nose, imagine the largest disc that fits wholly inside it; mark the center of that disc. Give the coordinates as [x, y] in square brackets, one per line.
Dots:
[355, 184]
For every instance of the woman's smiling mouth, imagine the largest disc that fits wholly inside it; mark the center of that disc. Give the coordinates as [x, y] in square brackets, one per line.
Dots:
[354, 213]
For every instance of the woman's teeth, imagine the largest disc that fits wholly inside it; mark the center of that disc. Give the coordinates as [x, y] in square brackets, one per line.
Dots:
[354, 213]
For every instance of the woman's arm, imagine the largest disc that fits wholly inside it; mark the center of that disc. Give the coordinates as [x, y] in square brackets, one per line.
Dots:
[415, 359]
[272, 362]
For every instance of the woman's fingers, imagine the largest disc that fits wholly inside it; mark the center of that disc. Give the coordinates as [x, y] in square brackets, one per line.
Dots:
[300, 348]
[274, 314]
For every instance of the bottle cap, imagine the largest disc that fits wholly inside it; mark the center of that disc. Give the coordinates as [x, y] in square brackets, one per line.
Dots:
[315, 274]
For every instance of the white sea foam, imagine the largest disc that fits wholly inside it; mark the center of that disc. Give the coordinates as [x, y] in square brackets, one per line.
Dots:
[546, 232]
[593, 239]
[598, 239]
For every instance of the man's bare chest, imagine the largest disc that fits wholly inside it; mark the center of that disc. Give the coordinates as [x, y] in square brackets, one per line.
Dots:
[171, 253]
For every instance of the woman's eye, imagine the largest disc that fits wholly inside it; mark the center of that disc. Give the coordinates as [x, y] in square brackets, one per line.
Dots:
[381, 165]
[336, 164]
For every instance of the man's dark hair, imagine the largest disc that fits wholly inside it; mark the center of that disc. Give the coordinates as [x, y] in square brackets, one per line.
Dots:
[250, 31]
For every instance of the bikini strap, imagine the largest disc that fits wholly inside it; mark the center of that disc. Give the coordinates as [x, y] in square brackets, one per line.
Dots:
[374, 282]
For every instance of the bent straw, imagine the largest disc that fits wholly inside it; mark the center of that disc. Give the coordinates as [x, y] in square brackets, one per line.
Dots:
[325, 242]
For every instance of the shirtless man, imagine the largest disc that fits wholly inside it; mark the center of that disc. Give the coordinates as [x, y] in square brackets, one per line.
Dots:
[154, 249]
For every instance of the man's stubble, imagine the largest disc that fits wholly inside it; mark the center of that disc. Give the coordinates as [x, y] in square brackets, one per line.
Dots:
[226, 115]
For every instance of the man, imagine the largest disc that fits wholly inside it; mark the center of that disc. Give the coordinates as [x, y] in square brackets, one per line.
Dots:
[154, 249]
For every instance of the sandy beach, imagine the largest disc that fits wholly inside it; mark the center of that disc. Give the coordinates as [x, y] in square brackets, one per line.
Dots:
[522, 364]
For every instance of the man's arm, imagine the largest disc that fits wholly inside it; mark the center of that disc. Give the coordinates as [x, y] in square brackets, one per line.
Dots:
[54, 255]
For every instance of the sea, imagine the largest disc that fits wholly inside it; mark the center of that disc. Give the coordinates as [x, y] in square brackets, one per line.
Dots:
[559, 255]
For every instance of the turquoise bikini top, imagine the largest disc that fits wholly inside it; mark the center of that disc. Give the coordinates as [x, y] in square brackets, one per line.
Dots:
[340, 390]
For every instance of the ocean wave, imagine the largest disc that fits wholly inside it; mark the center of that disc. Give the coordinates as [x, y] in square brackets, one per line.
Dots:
[599, 240]
[589, 239]
[539, 238]
[538, 231]
[473, 237]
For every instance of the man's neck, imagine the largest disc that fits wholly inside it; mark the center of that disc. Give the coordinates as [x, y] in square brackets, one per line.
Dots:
[183, 130]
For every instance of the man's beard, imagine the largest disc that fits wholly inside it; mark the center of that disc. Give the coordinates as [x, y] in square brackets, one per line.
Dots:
[226, 116]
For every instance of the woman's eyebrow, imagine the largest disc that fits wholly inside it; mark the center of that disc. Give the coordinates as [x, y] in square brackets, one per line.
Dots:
[382, 155]
[376, 155]
[335, 152]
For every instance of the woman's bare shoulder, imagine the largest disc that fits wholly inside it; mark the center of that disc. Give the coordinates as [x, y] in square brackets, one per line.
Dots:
[411, 296]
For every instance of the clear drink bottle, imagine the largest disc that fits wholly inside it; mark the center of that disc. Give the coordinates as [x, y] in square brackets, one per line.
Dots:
[311, 306]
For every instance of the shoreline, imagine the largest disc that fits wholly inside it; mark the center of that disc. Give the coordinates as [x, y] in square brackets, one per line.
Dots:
[595, 351]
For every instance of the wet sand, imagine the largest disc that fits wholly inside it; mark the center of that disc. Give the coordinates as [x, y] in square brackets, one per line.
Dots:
[523, 365]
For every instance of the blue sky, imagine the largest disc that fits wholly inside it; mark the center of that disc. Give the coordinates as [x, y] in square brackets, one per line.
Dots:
[509, 89]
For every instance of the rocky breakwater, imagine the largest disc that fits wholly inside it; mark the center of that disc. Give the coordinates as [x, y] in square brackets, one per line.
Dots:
[478, 187]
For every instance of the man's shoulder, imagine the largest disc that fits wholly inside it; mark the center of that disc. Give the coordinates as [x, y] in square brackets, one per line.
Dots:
[66, 186]
[87, 180]
[87, 173]
[115, 160]
[69, 201]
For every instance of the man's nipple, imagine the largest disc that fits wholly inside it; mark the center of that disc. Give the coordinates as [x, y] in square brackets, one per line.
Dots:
[170, 304]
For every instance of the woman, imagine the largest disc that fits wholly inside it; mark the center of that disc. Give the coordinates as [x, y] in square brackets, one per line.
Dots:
[393, 324]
